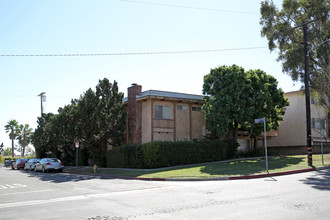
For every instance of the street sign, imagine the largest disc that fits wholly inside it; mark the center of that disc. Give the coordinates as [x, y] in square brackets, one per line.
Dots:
[259, 120]
[263, 120]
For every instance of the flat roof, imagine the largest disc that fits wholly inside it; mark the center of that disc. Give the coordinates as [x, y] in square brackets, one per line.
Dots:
[168, 95]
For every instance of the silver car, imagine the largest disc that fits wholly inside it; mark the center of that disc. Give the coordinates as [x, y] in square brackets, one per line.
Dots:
[30, 164]
[49, 164]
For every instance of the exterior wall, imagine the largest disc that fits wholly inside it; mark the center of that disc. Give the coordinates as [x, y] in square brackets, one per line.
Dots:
[185, 124]
[146, 121]
[198, 124]
[182, 121]
[317, 114]
[292, 131]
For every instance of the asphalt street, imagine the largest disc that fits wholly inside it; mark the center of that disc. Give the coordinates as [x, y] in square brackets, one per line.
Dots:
[29, 195]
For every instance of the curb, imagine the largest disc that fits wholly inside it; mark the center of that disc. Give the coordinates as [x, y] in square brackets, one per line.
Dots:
[205, 179]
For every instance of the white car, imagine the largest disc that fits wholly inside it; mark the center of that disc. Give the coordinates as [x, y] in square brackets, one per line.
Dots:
[30, 164]
[49, 164]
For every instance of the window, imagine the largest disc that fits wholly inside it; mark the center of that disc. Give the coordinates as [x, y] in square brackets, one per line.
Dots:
[182, 107]
[318, 123]
[196, 108]
[163, 112]
[314, 101]
[244, 144]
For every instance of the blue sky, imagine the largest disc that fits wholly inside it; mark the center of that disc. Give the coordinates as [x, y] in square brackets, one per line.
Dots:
[117, 26]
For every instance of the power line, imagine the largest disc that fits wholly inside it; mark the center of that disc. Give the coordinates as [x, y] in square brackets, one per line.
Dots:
[188, 7]
[129, 53]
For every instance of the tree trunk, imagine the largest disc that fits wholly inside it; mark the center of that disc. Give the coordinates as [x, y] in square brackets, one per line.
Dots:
[12, 147]
[233, 132]
[255, 142]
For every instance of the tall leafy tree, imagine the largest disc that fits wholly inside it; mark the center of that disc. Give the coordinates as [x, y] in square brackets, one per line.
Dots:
[96, 120]
[12, 128]
[66, 123]
[44, 137]
[277, 28]
[7, 152]
[101, 119]
[268, 102]
[234, 98]
[24, 136]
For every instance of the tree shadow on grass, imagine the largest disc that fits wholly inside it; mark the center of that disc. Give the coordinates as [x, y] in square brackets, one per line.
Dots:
[320, 180]
[249, 167]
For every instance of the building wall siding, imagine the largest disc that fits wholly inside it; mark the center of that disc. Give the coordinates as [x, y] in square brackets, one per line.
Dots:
[198, 124]
[146, 121]
[182, 123]
[292, 130]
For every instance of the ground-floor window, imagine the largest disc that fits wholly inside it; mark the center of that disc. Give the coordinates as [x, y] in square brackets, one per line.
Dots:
[244, 144]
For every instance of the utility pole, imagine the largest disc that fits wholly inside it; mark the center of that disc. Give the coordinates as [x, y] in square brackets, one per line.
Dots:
[42, 95]
[307, 96]
[307, 99]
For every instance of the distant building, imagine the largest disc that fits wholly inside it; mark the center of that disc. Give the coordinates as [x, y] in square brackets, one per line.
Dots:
[292, 133]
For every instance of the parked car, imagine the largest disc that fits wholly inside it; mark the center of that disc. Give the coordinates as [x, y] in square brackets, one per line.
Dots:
[19, 163]
[30, 164]
[49, 164]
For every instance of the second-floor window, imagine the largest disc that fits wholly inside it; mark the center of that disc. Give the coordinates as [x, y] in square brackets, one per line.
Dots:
[163, 112]
[196, 109]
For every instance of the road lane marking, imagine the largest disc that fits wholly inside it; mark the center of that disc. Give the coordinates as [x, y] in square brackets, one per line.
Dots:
[12, 186]
[16, 193]
[72, 198]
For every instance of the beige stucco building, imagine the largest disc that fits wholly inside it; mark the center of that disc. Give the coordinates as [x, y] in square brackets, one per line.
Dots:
[155, 115]
[292, 135]
[163, 116]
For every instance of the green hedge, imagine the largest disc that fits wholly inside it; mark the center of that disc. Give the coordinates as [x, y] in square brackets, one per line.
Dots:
[164, 154]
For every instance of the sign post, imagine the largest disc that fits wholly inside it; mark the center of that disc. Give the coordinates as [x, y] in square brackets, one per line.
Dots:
[77, 149]
[263, 120]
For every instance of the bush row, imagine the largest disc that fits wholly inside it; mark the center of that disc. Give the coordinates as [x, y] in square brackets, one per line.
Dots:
[164, 154]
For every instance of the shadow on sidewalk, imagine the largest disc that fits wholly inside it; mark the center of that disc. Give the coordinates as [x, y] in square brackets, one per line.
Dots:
[320, 180]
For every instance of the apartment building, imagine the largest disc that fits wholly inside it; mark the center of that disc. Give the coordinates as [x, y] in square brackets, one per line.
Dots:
[155, 115]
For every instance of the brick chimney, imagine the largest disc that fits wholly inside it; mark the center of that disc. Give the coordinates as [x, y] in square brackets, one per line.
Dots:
[134, 114]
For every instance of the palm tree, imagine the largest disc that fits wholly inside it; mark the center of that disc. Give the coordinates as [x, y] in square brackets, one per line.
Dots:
[24, 136]
[12, 129]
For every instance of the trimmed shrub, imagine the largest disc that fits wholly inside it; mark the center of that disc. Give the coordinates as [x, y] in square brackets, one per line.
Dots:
[164, 154]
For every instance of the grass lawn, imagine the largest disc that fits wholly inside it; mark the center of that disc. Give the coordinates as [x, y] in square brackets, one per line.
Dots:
[220, 169]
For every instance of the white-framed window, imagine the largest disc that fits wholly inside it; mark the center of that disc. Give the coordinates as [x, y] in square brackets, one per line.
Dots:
[163, 112]
[182, 107]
